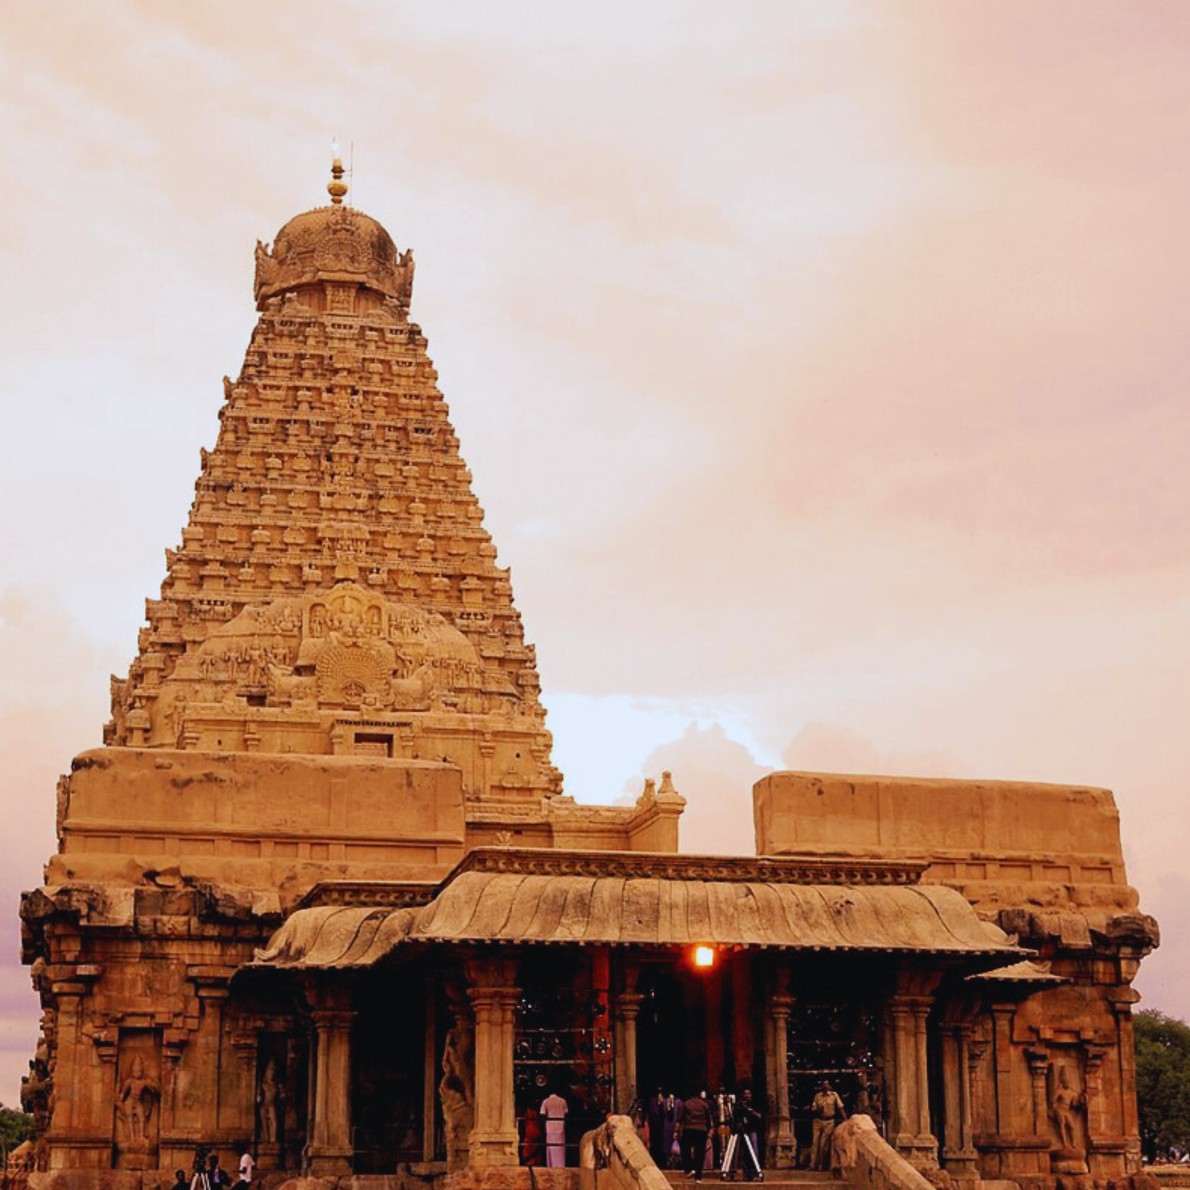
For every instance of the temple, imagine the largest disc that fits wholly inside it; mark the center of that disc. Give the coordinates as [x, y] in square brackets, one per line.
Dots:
[320, 894]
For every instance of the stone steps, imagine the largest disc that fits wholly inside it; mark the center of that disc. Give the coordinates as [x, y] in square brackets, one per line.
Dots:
[774, 1179]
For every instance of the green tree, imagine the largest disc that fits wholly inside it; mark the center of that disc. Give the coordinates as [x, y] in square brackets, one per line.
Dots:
[1163, 1085]
[15, 1127]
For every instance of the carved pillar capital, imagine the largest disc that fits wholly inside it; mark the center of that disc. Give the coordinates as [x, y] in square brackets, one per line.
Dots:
[780, 1006]
[628, 1005]
[329, 1019]
[243, 1044]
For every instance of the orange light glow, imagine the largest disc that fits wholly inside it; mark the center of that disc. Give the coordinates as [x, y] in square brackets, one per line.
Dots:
[704, 956]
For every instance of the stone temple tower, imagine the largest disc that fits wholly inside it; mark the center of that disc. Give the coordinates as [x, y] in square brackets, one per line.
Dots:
[335, 591]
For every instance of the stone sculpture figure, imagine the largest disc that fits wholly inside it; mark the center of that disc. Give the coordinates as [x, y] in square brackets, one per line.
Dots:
[1065, 1103]
[455, 1089]
[268, 1098]
[138, 1094]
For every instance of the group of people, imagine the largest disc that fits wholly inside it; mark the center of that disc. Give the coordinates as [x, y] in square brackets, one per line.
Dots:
[210, 1175]
[685, 1133]
[721, 1132]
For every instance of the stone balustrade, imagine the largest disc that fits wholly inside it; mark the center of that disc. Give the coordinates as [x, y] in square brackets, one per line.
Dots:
[868, 1162]
[613, 1157]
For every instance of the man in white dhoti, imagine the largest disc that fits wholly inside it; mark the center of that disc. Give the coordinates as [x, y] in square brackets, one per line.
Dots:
[553, 1112]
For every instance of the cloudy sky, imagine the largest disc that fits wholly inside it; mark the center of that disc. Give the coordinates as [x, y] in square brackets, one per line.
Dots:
[822, 367]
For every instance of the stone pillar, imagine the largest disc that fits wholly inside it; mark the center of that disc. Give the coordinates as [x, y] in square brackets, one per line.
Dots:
[977, 1048]
[311, 1083]
[243, 1102]
[782, 1147]
[1007, 1117]
[330, 1145]
[958, 1143]
[743, 1036]
[921, 1010]
[173, 1145]
[82, 1127]
[712, 985]
[1096, 1116]
[910, 1123]
[429, 1074]
[1121, 1005]
[1039, 1064]
[494, 997]
[201, 1102]
[627, 1010]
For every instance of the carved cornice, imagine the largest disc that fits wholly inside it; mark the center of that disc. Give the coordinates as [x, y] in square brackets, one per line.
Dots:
[667, 866]
[381, 893]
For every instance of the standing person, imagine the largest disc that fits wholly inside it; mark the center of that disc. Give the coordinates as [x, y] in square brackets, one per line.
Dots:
[247, 1164]
[671, 1124]
[214, 1177]
[720, 1124]
[825, 1109]
[531, 1145]
[693, 1123]
[553, 1112]
[656, 1119]
[746, 1126]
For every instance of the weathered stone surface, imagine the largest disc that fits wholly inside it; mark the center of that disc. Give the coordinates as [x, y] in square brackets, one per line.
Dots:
[1001, 843]
[868, 1162]
[283, 821]
[614, 1154]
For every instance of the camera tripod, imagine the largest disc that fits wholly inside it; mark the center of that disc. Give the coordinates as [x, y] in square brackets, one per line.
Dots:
[731, 1152]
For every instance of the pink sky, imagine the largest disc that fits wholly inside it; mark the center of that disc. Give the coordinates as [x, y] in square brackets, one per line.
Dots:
[822, 368]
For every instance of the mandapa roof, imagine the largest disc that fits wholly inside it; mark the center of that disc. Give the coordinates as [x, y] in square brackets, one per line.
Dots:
[533, 907]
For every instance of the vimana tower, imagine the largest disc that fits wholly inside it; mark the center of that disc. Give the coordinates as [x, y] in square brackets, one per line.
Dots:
[320, 896]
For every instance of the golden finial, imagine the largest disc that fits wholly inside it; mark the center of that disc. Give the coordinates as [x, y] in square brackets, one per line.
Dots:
[336, 187]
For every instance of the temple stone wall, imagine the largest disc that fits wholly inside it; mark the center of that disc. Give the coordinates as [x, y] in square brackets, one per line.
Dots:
[998, 842]
[266, 821]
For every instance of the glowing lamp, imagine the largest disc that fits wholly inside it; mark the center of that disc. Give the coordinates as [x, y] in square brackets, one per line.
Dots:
[704, 956]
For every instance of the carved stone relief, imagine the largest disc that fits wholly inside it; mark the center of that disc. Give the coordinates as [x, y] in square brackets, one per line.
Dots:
[138, 1099]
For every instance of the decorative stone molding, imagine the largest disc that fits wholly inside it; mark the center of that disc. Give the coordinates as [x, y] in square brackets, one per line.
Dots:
[335, 244]
[686, 867]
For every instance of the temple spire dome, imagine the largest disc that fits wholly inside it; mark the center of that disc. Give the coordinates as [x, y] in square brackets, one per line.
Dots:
[335, 244]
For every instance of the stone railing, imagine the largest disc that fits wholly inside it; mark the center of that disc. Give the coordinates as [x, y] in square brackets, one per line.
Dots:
[613, 1157]
[1170, 1175]
[869, 1162]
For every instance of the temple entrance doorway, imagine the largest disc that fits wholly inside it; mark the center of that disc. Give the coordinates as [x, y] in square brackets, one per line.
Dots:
[698, 1028]
[562, 1047]
[835, 1033]
[390, 1059]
